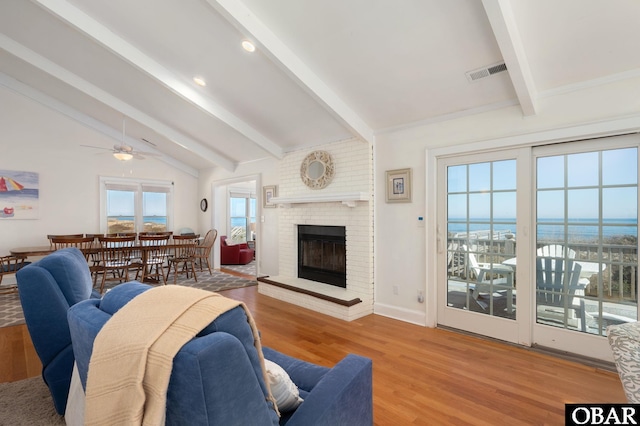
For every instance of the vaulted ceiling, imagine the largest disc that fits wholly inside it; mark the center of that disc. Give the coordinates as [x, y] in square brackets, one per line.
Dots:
[322, 71]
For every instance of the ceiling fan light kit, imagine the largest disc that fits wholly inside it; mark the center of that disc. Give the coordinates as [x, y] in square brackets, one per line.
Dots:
[123, 156]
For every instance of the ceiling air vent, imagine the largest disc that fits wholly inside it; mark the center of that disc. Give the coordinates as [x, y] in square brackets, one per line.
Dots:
[486, 71]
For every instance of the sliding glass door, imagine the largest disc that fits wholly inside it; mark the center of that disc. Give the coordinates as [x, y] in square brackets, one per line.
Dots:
[586, 242]
[539, 246]
[479, 291]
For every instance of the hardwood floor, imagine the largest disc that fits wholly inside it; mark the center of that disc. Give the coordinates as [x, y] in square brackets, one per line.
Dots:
[421, 376]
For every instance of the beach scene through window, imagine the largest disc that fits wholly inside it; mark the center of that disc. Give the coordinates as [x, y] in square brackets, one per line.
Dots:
[121, 212]
[586, 236]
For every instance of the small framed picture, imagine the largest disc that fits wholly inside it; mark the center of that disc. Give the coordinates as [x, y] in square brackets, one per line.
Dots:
[268, 192]
[399, 186]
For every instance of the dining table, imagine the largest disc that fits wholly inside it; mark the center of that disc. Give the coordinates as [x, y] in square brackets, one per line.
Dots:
[32, 251]
[92, 252]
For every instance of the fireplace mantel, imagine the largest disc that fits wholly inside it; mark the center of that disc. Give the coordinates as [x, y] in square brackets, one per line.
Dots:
[347, 198]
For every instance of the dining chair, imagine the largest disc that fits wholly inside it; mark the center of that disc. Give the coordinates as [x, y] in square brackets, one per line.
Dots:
[116, 257]
[154, 252]
[184, 249]
[50, 237]
[10, 265]
[203, 251]
[81, 243]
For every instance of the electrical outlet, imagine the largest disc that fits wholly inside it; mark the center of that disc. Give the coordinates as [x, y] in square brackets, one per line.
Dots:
[420, 296]
[395, 289]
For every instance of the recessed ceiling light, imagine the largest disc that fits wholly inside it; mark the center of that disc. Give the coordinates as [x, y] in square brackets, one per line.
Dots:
[248, 46]
[199, 81]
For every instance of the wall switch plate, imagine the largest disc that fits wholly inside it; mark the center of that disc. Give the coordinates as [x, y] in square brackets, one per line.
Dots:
[420, 221]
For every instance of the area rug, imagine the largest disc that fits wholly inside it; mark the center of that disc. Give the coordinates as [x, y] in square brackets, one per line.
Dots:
[11, 310]
[248, 269]
[27, 402]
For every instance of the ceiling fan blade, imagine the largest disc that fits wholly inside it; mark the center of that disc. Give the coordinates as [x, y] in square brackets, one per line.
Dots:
[147, 153]
[97, 147]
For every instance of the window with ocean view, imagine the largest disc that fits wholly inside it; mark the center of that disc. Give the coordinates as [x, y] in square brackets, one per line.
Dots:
[481, 224]
[242, 216]
[587, 210]
[136, 206]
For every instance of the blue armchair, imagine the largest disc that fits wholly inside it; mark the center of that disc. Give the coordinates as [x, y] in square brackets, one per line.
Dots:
[217, 378]
[47, 289]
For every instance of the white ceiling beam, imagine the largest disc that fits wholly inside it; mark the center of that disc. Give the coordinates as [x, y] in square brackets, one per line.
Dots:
[116, 134]
[100, 95]
[506, 32]
[137, 58]
[240, 16]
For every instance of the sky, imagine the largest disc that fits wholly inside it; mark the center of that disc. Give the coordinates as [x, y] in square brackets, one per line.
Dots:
[121, 203]
[615, 169]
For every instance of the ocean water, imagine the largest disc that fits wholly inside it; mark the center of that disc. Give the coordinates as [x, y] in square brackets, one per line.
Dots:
[550, 229]
[19, 196]
[145, 219]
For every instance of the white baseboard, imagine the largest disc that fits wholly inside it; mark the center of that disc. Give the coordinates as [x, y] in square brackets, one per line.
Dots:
[402, 314]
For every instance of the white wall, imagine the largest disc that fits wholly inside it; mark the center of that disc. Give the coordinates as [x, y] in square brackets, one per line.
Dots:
[401, 245]
[37, 139]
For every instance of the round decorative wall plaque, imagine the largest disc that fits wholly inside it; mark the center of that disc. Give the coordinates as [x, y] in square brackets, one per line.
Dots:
[317, 170]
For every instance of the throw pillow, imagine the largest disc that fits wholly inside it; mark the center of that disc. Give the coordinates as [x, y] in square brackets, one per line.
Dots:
[282, 387]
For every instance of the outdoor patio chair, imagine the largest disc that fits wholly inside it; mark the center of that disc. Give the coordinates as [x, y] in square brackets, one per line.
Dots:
[493, 281]
[559, 293]
[556, 250]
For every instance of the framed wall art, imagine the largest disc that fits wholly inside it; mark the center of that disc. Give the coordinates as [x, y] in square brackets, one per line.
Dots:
[19, 195]
[399, 186]
[268, 192]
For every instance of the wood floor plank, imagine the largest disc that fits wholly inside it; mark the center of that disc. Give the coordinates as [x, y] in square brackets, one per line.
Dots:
[421, 376]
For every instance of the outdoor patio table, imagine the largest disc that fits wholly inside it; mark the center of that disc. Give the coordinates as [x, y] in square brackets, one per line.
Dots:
[588, 268]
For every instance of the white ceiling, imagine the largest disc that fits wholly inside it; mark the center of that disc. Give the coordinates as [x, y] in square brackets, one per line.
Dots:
[323, 71]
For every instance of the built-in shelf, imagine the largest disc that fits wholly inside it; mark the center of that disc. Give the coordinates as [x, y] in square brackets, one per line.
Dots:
[347, 198]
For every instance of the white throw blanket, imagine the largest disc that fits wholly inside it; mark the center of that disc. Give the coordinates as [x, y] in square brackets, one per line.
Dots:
[133, 353]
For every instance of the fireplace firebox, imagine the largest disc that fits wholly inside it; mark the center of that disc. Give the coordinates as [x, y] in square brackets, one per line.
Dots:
[322, 254]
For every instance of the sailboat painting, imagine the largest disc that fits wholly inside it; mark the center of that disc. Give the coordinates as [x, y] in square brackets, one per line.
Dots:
[19, 195]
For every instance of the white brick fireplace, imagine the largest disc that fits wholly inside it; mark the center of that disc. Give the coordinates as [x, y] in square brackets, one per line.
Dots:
[347, 202]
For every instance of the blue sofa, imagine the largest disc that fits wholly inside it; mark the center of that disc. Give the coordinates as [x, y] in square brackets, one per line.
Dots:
[47, 289]
[217, 378]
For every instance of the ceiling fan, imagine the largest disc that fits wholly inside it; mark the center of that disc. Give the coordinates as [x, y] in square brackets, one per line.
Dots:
[124, 152]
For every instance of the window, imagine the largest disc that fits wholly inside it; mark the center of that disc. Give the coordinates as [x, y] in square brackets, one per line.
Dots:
[135, 206]
[242, 216]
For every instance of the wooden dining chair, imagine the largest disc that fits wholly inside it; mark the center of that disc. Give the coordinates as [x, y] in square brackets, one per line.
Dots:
[10, 265]
[81, 243]
[84, 244]
[116, 257]
[50, 237]
[184, 249]
[154, 252]
[203, 250]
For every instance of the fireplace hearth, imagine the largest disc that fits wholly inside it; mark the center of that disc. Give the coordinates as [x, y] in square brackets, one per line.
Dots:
[322, 254]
